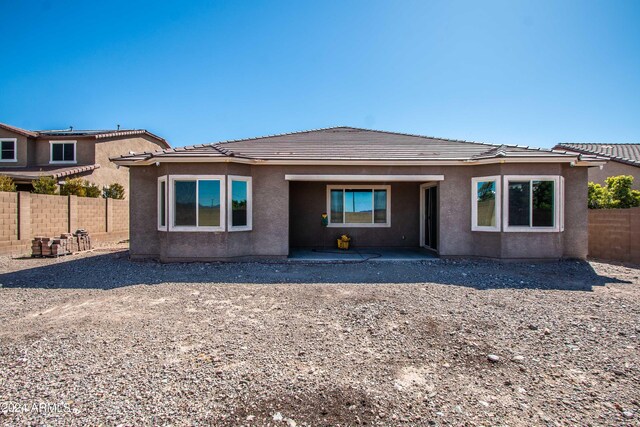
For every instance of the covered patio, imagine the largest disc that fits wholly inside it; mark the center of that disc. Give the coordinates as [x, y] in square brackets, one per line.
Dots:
[386, 216]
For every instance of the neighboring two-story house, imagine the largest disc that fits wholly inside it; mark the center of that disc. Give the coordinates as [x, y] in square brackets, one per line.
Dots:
[26, 155]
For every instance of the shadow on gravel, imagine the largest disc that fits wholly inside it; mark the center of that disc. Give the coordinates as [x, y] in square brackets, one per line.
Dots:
[114, 270]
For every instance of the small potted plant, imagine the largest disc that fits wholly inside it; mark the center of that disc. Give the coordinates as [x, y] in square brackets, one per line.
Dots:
[343, 242]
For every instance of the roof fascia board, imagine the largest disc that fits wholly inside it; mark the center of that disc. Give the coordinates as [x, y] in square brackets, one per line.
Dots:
[398, 162]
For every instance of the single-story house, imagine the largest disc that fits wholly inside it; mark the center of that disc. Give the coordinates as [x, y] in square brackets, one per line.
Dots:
[623, 159]
[261, 197]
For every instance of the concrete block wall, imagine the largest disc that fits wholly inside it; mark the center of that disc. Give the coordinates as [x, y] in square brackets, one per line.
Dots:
[92, 214]
[25, 215]
[8, 220]
[120, 215]
[49, 214]
[614, 234]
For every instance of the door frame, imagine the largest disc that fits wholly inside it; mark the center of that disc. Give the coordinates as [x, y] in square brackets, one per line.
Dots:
[423, 187]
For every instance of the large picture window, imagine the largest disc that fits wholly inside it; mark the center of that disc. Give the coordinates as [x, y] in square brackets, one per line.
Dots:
[533, 203]
[485, 203]
[359, 205]
[240, 203]
[63, 151]
[8, 150]
[197, 203]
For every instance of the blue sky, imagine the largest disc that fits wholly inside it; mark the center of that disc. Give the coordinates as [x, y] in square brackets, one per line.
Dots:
[519, 72]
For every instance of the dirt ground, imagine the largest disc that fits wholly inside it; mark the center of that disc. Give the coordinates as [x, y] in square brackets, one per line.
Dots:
[99, 340]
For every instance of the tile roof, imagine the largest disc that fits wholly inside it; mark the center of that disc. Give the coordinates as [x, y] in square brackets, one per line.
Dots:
[350, 144]
[31, 173]
[624, 153]
[19, 131]
[97, 134]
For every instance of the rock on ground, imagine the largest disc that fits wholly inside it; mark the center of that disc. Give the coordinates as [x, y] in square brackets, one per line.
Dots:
[105, 341]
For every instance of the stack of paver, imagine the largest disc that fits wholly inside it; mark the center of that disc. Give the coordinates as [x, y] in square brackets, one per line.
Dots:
[66, 244]
[83, 240]
[36, 246]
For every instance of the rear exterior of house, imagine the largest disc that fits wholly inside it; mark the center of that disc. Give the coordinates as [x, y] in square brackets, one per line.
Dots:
[26, 155]
[262, 197]
[623, 159]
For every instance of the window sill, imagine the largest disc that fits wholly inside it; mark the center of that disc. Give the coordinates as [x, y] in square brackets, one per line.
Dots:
[532, 230]
[8, 161]
[357, 225]
[62, 162]
[196, 229]
[232, 229]
[486, 229]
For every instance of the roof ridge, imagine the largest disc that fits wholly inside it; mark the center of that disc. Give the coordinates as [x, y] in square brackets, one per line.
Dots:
[275, 135]
[427, 136]
[381, 131]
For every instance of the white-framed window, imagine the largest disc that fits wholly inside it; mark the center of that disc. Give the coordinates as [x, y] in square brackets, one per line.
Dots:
[239, 203]
[62, 152]
[162, 203]
[8, 149]
[197, 203]
[561, 203]
[533, 203]
[485, 203]
[359, 205]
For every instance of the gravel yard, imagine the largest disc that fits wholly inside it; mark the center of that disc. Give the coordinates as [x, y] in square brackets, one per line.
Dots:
[96, 339]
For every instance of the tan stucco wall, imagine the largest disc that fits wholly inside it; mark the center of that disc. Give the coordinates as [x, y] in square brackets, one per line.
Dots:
[109, 173]
[85, 150]
[613, 168]
[21, 144]
[271, 221]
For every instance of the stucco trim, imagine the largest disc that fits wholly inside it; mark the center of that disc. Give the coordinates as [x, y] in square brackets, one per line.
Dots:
[474, 204]
[163, 207]
[249, 181]
[557, 202]
[63, 162]
[15, 150]
[372, 187]
[197, 228]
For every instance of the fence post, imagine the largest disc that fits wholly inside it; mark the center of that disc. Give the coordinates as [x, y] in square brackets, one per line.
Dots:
[73, 213]
[24, 215]
[109, 215]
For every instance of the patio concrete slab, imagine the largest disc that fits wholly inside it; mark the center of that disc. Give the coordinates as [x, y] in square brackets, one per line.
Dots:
[361, 254]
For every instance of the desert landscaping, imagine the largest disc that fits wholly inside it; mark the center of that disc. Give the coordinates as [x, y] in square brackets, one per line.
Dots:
[106, 341]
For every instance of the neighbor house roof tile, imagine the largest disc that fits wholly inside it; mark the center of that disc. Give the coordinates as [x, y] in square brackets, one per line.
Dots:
[31, 173]
[17, 130]
[624, 153]
[97, 134]
[103, 133]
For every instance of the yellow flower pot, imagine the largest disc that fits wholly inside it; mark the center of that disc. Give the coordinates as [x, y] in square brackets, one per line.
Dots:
[343, 244]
